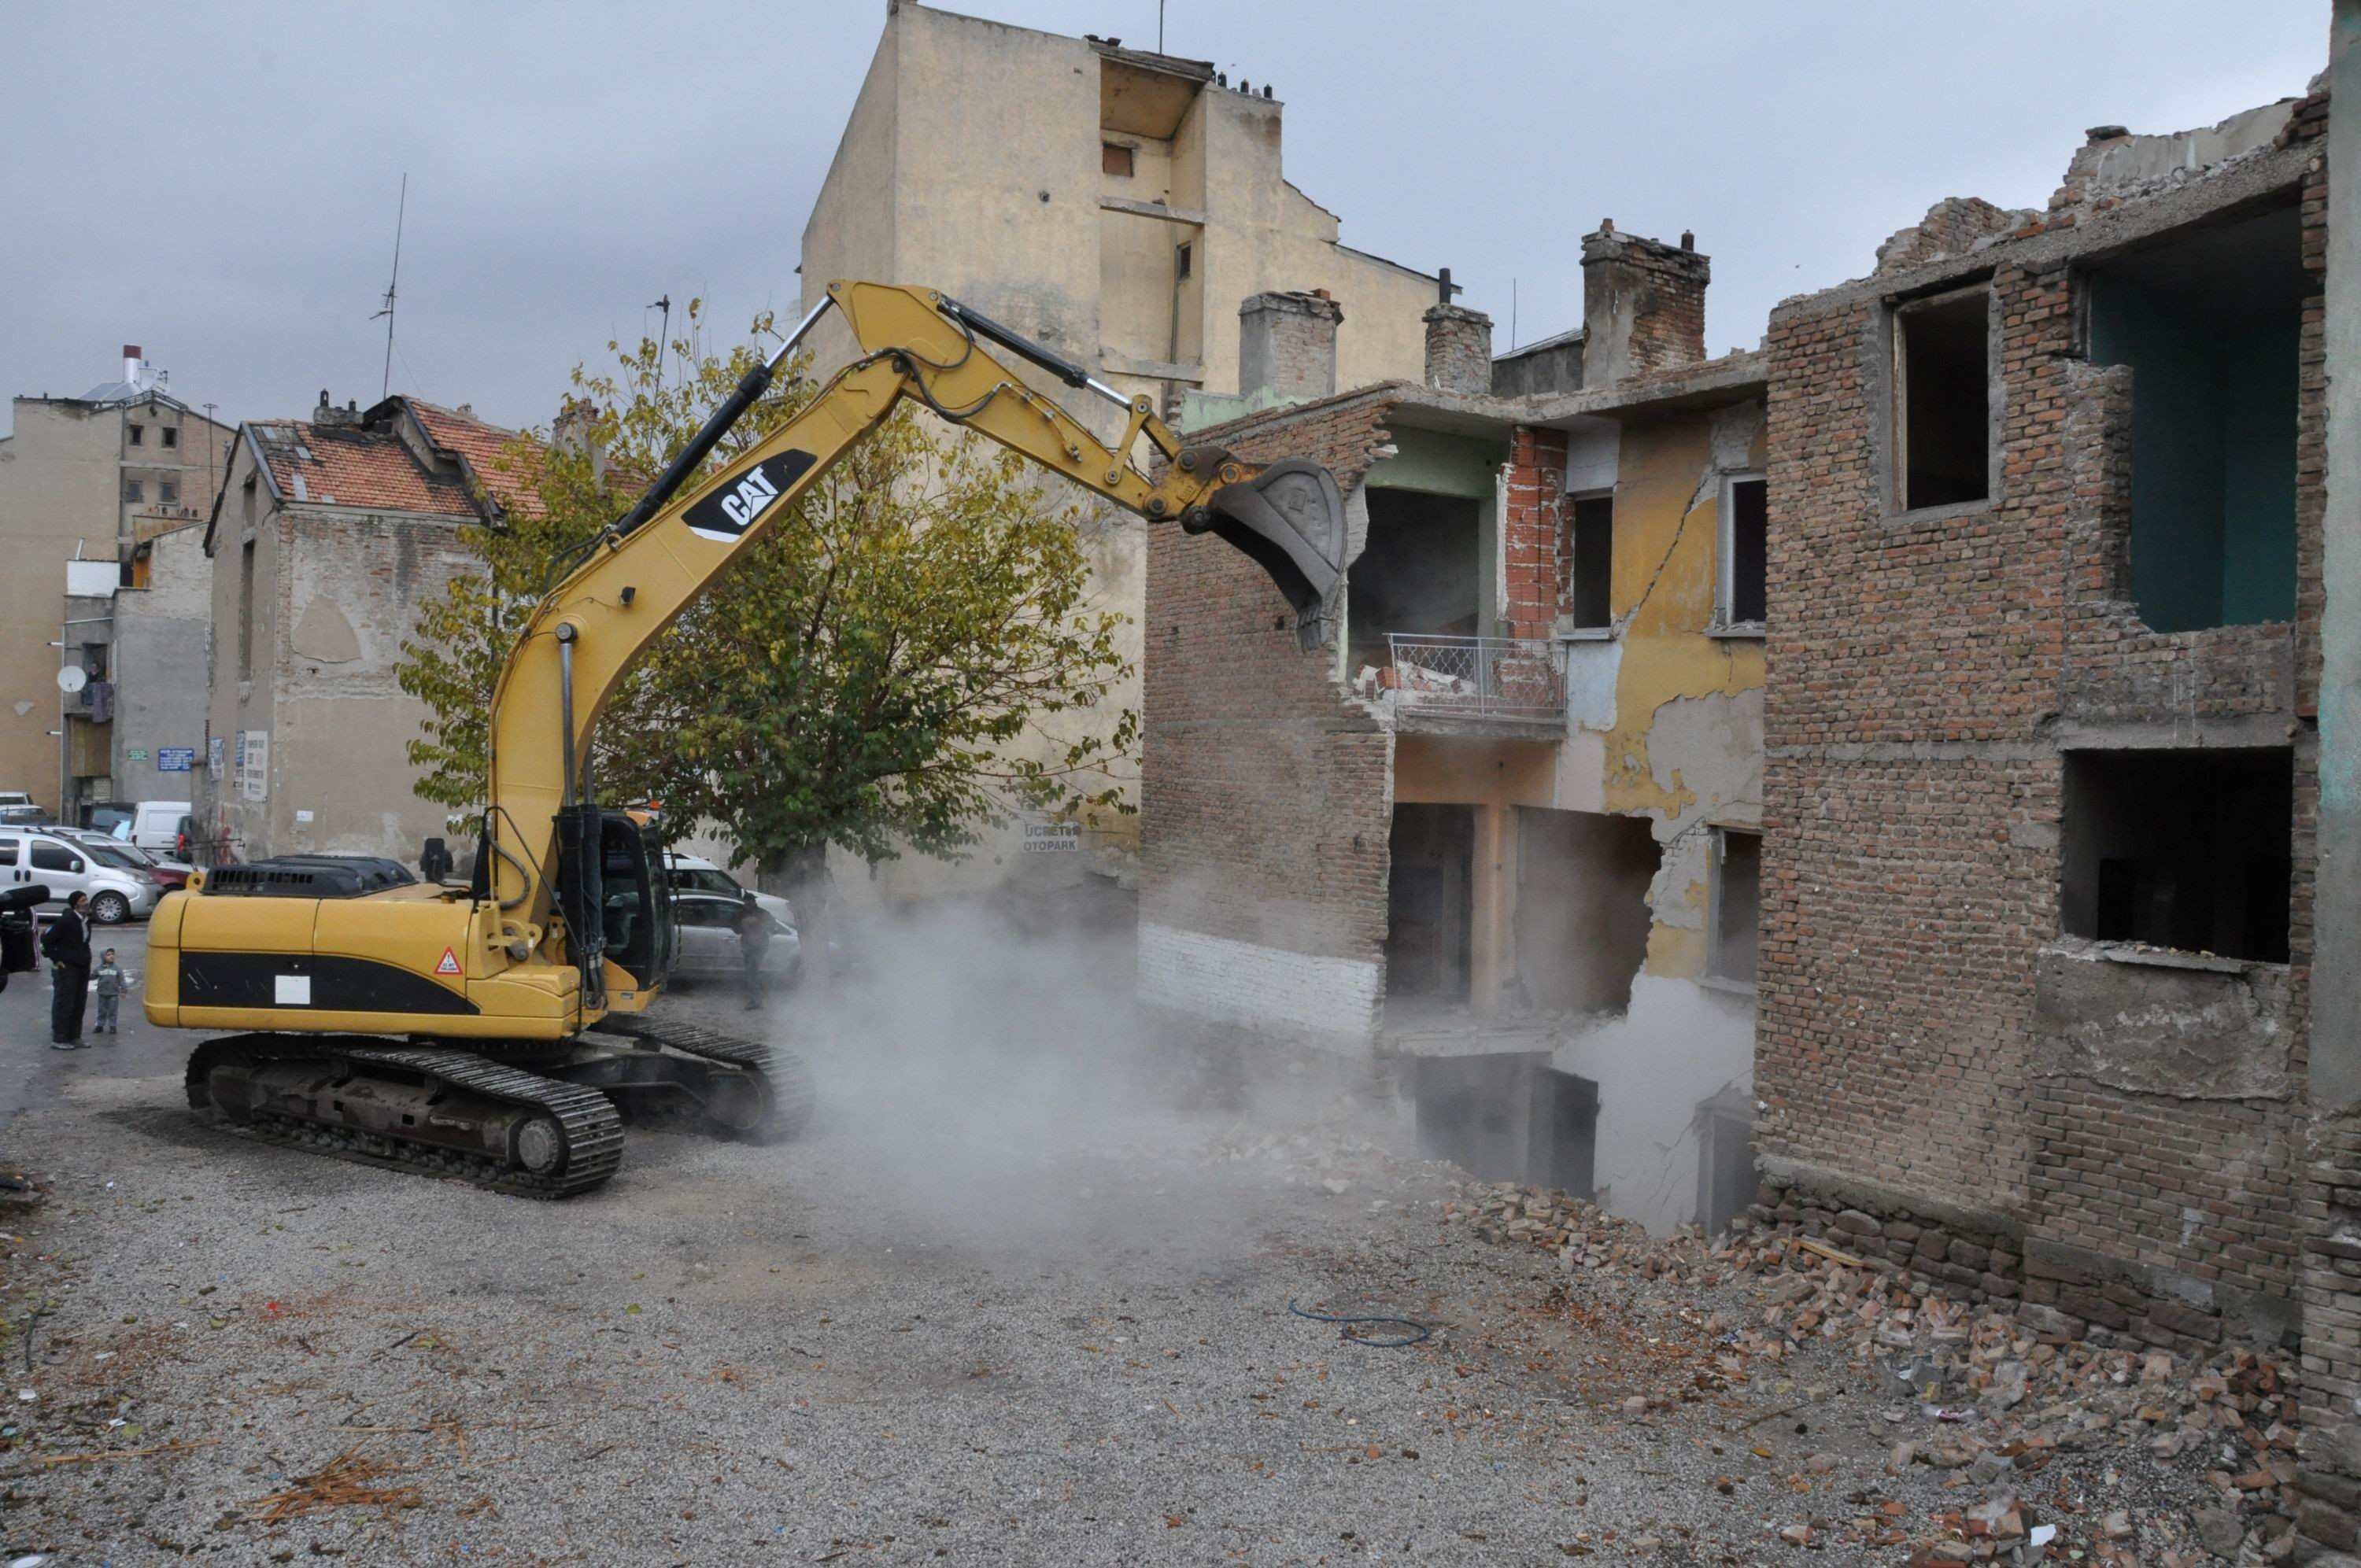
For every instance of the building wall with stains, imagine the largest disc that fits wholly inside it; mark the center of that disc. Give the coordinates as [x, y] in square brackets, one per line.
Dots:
[1663, 727]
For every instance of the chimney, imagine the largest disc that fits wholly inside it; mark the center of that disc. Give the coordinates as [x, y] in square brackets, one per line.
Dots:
[576, 430]
[1459, 349]
[132, 362]
[1286, 344]
[329, 415]
[1642, 306]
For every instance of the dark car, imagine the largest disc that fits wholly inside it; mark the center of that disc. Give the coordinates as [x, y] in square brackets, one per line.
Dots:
[707, 926]
[104, 816]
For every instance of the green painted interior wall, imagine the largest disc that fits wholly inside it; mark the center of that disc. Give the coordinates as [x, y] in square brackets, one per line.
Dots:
[1437, 464]
[2209, 325]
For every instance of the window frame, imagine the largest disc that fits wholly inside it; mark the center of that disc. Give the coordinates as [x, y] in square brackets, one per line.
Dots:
[138, 436]
[1718, 853]
[1725, 557]
[135, 491]
[1891, 433]
[1567, 630]
[1108, 151]
[171, 437]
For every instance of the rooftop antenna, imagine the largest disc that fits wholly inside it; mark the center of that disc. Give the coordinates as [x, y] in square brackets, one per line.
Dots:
[400, 212]
[1512, 315]
[1160, 26]
[664, 333]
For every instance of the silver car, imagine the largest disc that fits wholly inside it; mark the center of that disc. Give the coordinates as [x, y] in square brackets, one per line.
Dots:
[120, 889]
[708, 949]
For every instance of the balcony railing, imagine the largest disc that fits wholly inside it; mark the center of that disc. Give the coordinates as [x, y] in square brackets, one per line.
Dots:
[1476, 677]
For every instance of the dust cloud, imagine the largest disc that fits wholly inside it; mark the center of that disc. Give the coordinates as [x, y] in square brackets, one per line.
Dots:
[992, 1083]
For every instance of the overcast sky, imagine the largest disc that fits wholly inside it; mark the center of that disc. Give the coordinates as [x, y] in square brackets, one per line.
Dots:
[218, 181]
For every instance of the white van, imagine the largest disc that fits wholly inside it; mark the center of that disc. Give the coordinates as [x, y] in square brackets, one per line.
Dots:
[120, 889]
[156, 824]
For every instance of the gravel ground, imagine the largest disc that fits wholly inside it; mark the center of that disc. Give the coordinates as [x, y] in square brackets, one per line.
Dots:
[990, 1312]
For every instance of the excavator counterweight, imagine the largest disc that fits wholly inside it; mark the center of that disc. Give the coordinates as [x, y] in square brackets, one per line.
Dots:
[490, 1032]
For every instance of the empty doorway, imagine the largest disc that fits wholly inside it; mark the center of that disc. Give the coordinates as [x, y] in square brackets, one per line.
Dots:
[1430, 904]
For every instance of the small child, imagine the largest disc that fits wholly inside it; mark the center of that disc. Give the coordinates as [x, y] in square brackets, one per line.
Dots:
[109, 977]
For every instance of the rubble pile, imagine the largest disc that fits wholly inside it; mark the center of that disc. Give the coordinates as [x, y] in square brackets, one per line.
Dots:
[1983, 1398]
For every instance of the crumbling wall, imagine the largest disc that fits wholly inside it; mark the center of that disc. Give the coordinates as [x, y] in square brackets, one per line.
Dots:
[1925, 1047]
[1952, 226]
[1265, 799]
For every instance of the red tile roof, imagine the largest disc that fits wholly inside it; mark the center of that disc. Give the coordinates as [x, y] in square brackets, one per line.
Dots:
[486, 448]
[369, 464]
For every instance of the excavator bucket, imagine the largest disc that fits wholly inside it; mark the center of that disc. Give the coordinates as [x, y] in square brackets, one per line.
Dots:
[1291, 518]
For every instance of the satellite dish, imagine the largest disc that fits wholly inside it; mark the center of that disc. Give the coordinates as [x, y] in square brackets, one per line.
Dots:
[72, 678]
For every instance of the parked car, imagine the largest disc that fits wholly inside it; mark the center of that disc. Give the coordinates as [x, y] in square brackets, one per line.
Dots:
[706, 925]
[107, 816]
[169, 873]
[24, 815]
[120, 889]
[694, 874]
[157, 823]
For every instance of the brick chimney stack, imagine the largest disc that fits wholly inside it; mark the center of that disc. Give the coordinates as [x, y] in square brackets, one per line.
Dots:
[1286, 344]
[1642, 304]
[1459, 349]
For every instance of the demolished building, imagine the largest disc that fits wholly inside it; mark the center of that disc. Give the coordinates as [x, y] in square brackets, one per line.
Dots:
[2041, 770]
[1502, 828]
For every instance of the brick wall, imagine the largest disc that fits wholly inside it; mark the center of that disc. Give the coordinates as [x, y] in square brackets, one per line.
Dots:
[1265, 801]
[1922, 668]
[1535, 554]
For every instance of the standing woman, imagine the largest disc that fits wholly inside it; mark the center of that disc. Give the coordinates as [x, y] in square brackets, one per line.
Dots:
[66, 945]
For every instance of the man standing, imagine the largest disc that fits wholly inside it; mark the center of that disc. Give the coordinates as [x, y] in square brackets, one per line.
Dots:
[754, 943]
[66, 945]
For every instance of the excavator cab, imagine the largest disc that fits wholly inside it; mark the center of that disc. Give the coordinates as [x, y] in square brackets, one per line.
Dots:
[637, 923]
[614, 896]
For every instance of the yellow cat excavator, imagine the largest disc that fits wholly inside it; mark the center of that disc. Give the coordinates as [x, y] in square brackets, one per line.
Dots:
[491, 1032]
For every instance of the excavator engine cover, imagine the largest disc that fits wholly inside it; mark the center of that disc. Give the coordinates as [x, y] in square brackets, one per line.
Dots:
[1291, 518]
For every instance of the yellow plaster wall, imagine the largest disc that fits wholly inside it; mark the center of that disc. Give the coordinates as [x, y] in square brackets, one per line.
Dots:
[1668, 522]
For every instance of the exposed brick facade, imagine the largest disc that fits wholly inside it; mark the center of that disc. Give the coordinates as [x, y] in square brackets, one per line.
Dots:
[1267, 792]
[1265, 800]
[1535, 554]
[1929, 672]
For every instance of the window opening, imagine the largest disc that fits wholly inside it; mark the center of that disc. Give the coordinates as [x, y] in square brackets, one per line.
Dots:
[1592, 549]
[1743, 600]
[246, 611]
[1737, 904]
[171, 435]
[138, 434]
[1942, 385]
[2190, 850]
[1115, 159]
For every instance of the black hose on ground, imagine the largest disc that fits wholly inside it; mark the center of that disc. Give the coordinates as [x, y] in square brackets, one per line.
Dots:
[1424, 1331]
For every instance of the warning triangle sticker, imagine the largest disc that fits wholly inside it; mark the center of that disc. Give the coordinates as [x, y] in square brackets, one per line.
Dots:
[450, 964]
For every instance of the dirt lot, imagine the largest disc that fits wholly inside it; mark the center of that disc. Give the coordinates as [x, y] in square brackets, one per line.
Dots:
[1011, 1300]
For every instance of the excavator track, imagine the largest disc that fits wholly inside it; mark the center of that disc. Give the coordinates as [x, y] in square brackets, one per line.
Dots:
[575, 1131]
[787, 1082]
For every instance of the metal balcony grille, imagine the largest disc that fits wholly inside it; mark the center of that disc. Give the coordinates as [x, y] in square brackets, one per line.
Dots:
[1477, 678]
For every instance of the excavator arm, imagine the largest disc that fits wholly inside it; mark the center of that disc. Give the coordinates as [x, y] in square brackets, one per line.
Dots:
[541, 833]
